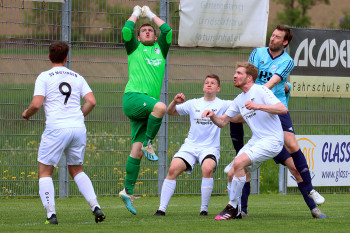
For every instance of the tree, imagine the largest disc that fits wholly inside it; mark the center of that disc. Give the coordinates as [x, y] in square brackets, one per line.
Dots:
[295, 12]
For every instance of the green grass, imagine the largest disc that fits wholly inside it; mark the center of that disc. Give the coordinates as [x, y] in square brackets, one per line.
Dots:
[268, 213]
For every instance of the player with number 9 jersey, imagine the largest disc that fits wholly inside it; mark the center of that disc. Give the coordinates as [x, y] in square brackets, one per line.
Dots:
[63, 90]
[60, 90]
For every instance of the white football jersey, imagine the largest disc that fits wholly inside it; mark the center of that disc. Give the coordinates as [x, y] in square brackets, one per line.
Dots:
[63, 90]
[261, 123]
[203, 132]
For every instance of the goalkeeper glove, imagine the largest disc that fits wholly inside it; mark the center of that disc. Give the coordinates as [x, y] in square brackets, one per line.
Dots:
[137, 11]
[146, 12]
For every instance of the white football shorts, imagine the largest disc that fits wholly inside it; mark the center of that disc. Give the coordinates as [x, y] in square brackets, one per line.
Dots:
[55, 142]
[194, 155]
[259, 151]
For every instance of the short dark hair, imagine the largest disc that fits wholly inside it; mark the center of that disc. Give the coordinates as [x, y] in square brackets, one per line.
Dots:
[214, 76]
[144, 25]
[58, 51]
[288, 33]
[250, 69]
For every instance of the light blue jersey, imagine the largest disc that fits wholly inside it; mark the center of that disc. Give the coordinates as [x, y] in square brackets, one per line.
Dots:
[288, 92]
[268, 66]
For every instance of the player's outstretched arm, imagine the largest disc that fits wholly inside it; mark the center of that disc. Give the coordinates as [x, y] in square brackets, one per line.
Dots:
[275, 79]
[278, 108]
[33, 107]
[90, 103]
[237, 119]
[171, 110]
[146, 12]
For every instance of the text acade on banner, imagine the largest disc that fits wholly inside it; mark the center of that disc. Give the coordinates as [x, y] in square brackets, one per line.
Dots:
[322, 63]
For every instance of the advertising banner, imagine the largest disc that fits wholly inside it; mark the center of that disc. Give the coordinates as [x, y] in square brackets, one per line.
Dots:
[328, 157]
[223, 23]
[322, 63]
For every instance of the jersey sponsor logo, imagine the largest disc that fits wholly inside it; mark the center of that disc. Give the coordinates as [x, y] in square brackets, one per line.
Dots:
[203, 121]
[144, 104]
[265, 76]
[273, 68]
[250, 115]
[154, 62]
[157, 50]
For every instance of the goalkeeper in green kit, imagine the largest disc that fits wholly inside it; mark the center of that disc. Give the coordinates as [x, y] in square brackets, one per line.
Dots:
[146, 61]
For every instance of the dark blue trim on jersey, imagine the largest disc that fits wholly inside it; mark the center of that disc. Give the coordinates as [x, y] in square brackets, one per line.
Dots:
[268, 51]
[252, 56]
[288, 69]
[281, 77]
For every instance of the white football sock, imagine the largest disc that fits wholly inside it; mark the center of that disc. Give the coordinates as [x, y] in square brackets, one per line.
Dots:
[236, 190]
[168, 189]
[206, 190]
[86, 188]
[47, 195]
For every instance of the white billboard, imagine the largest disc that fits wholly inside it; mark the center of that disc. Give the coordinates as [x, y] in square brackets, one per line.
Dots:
[223, 23]
[328, 157]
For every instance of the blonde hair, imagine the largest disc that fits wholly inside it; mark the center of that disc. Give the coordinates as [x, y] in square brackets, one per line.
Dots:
[250, 69]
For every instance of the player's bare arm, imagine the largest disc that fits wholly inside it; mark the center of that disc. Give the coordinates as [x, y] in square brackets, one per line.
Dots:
[220, 121]
[237, 119]
[275, 79]
[90, 103]
[171, 110]
[33, 107]
[278, 108]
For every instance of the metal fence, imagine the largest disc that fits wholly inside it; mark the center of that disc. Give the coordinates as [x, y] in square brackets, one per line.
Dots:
[93, 29]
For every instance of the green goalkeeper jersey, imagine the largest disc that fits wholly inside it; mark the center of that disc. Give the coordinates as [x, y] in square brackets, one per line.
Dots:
[146, 63]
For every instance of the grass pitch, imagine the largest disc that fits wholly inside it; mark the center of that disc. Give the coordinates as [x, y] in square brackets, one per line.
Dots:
[268, 213]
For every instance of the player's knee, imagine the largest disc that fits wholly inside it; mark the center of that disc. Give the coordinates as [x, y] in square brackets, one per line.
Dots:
[74, 170]
[137, 154]
[160, 108]
[208, 165]
[207, 171]
[172, 173]
[291, 146]
[238, 165]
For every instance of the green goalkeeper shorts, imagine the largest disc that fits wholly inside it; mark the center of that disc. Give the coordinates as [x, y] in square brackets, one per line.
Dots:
[137, 107]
